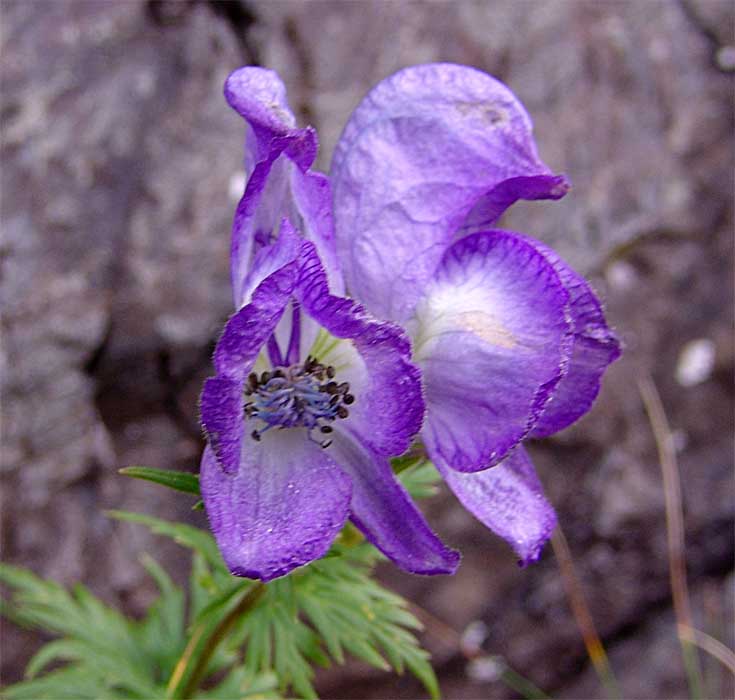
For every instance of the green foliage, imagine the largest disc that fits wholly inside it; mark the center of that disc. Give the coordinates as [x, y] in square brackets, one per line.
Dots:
[179, 481]
[327, 609]
[104, 654]
[420, 477]
[229, 637]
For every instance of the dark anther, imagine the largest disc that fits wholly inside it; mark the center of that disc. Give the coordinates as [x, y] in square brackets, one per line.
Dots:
[348, 399]
[331, 388]
[252, 381]
[326, 428]
[343, 388]
[255, 435]
[279, 373]
[342, 412]
[265, 377]
[333, 401]
[326, 443]
[330, 372]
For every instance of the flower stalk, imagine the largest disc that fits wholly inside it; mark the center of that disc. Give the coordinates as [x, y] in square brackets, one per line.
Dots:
[205, 638]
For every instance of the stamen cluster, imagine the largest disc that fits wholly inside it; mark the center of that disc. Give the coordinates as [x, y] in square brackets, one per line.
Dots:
[297, 396]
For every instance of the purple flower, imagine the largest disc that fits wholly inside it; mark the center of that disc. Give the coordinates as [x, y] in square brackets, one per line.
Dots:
[312, 394]
[511, 342]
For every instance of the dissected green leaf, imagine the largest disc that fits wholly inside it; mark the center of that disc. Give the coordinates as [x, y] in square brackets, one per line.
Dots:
[179, 481]
[407, 461]
[97, 639]
[332, 606]
[185, 535]
[325, 611]
[76, 682]
[241, 684]
[421, 479]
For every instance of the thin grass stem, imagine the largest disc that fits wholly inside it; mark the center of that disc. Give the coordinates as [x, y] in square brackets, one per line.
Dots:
[583, 616]
[674, 530]
[715, 648]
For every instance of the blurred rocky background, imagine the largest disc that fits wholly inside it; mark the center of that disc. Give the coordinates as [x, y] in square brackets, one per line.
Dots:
[121, 170]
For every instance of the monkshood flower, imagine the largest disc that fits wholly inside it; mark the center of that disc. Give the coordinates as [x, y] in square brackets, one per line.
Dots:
[511, 342]
[311, 397]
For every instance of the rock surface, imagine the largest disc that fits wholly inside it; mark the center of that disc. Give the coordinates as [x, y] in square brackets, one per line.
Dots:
[120, 162]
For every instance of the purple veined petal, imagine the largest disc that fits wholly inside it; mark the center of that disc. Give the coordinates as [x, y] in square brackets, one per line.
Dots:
[281, 509]
[282, 186]
[271, 257]
[248, 330]
[259, 96]
[312, 197]
[509, 499]
[492, 338]
[222, 417]
[382, 509]
[243, 338]
[389, 408]
[273, 147]
[266, 201]
[489, 207]
[418, 156]
[595, 346]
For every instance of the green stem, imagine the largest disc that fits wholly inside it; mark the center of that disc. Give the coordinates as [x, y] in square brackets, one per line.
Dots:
[521, 684]
[191, 667]
[692, 669]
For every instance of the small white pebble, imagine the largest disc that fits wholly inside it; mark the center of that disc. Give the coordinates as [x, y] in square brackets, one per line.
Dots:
[696, 362]
[236, 186]
[725, 58]
[485, 669]
[472, 638]
[620, 275]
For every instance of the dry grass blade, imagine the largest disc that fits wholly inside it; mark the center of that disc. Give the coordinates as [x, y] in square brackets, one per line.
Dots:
[674, 527]
[582, 614]
[712, 646]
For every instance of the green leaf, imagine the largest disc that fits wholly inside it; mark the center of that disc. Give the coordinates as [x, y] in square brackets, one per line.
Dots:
[243, 685]
[179, 481]
[68, 683]
[421, 479]
[58, 650]
[98, 641]
[407, 461]
[185, 535]
[161, 632]
[332, 607]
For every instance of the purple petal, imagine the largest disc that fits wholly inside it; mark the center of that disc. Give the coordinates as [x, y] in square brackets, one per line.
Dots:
[281, 509]
[594, 347]
[509, 499]
[490, 207]
[222, 416]
[389, 408]
[259, 96]
[420, 154]
[266, 201]
[270, 258]
[492, 340]
[245, 334]
[274, 148]
[382, 509]
[248, 330]
[312, 197]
